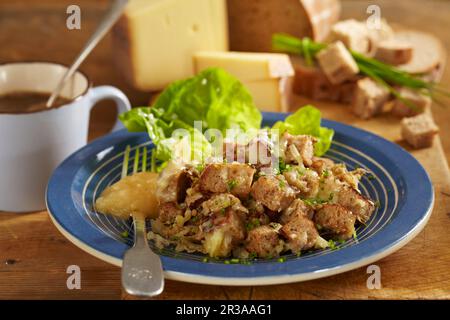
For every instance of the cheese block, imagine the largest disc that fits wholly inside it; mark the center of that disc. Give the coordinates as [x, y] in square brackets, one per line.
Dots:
[272, 95]
[253, 22]
[154, 40]
[246, 66]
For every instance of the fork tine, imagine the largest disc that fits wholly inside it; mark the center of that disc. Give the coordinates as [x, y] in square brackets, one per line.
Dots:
[136, 161]
[126, 158]
[144, 159]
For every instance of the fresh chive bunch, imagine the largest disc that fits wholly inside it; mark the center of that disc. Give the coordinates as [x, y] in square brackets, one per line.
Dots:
[386, 75]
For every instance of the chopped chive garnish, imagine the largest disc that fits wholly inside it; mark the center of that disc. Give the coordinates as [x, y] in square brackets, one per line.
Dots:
[332, 245]
[200, 167]
[205, 259]
[281, 259]
[234, 260]
[252, 255]
[126, 158]
[232, 184]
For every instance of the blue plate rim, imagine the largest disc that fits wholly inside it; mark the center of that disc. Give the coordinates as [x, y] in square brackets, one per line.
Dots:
[388, 247]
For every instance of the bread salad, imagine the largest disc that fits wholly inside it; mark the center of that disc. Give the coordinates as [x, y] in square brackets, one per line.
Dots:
[223, 201]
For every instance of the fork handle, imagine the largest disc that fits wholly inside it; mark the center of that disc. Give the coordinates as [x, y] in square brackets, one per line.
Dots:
[140, 238]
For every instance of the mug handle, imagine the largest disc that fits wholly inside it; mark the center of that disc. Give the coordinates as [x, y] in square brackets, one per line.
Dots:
[109, 92]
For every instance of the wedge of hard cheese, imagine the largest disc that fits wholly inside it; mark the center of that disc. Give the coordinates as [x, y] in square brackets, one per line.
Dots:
[266, 75]
[253, 22]
[154, 40]
[246, 65]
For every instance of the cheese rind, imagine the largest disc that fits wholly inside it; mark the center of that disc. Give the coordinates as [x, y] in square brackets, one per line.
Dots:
[246, 66]
[154, 40]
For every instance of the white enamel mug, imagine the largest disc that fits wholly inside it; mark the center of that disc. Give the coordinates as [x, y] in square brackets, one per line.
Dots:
[33, 144]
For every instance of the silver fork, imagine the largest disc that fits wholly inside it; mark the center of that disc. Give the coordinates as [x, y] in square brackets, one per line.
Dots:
[142, 272]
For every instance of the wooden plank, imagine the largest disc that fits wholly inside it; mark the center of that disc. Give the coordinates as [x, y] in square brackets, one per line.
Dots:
[34, 256]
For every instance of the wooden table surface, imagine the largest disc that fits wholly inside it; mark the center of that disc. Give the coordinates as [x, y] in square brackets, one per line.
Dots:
[34, 255]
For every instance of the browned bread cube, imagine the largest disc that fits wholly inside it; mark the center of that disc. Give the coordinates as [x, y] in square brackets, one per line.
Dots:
[264, 242]
[354, 35]
[368, 98]
[420, 102]
[235, 178]
[419, 130]
[337, 63]
[273, 192]
[337, 220]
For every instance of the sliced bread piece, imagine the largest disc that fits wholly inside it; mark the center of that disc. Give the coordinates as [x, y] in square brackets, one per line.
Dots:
[394, 51]
[428, 52]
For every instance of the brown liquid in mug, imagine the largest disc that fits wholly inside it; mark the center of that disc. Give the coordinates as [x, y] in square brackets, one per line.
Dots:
[27, 102]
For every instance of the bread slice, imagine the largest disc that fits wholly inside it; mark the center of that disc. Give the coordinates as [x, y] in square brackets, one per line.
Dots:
[394, 51]
[252, 23]
[428, 52]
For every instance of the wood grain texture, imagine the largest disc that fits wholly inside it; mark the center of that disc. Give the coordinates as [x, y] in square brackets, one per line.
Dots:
[34, 255]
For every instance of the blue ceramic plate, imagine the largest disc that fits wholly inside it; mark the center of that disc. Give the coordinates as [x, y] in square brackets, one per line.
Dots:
[396, 181]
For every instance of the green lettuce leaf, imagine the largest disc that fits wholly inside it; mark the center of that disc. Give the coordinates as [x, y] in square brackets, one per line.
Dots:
[214, 97]
[146, 119]
[307, 120]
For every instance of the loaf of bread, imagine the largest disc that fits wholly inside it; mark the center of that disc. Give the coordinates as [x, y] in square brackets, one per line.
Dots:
[253, 22]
